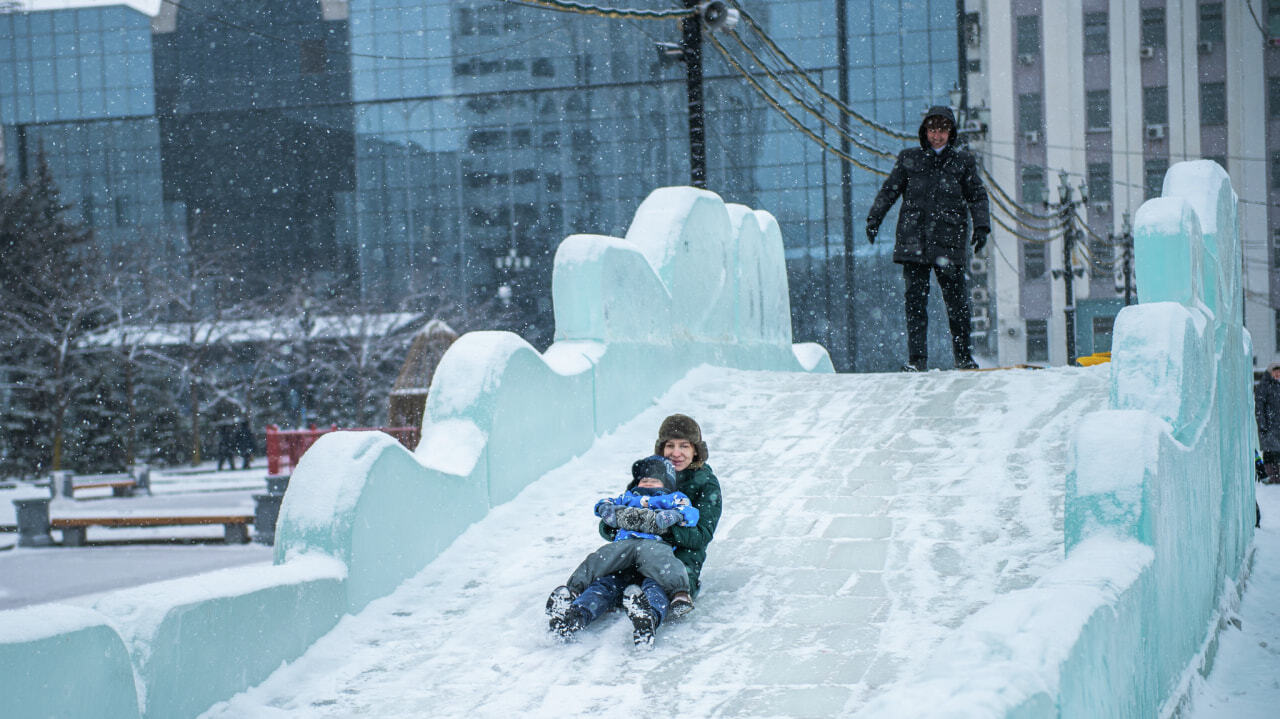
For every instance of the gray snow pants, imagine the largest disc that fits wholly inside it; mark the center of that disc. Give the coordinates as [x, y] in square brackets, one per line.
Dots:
[650, 557]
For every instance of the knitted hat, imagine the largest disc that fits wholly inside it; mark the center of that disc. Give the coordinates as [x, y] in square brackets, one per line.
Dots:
[679, 426]
[654, 467]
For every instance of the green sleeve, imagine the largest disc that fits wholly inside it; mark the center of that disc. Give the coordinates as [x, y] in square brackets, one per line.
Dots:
[707, 499]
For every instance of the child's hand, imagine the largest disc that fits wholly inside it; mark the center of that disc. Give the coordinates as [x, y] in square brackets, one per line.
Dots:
[606, 511]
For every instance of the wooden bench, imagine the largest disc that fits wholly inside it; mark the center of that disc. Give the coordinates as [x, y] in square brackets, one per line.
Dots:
[119, 487]
[235, 526]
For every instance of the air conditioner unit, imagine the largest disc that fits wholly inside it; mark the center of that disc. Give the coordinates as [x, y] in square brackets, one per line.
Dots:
[978, 311]
[1102, 207]
[1027, 59]
[1205, 47]
[1147, 52]
[977, 266]
[972, 125]
[1155, 132]
[979, 325]
[1032, 137]
[978, 295]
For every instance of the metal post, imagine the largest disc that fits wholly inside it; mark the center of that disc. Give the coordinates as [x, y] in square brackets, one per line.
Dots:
[692, 45]
[846, 183]
[1128, 262]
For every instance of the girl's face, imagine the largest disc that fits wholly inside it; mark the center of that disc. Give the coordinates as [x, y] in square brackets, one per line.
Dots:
[680, 452]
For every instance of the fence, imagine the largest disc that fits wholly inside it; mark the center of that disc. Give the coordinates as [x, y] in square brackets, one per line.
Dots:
[286, 446]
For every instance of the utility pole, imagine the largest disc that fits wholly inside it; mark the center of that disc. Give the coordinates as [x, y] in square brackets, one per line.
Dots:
[846, 182]
[1066, 215]
[1126, 256]
[691, 44]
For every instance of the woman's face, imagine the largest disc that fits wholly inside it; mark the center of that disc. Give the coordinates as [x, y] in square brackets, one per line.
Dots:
[680, 452]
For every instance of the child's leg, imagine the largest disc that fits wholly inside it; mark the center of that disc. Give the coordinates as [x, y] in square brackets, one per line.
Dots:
[657, 596]
[611, 558]
[656, 561]
[600, 596]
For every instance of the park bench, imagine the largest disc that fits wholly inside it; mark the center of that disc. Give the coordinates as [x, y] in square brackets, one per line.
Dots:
[119, 487]
[235, 526]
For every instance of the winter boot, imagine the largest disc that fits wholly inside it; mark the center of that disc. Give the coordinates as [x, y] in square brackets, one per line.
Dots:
[966, 363]
[681, 604]
[914, 366]
[565, 619]
[644, 621]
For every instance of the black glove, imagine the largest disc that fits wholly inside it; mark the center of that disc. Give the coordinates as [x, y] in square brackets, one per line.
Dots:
[872, 231]
[979, 241]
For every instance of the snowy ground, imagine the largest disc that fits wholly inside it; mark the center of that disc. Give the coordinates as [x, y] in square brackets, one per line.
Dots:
[119, 558]
[1245, 681]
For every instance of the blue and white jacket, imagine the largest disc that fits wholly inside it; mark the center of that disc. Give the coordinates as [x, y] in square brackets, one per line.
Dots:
[678, 501]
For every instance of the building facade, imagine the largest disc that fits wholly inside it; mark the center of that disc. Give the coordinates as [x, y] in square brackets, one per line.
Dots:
[1107, 94]
[440, 150]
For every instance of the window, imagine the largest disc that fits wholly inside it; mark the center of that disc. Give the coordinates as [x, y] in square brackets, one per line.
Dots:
[1033, 260]
[1037, 340]
[1275, 170]
[1213, 103]
[1029, 111]
[1153, 27]
[1102, 330]
[1098, 109]
[1273, 96]
[1100, 182]
[1275, 247]
[1028, 35]
[1155, 105]
[1033, 185]
[1211, 27]
[1277, 313]
[542, 67]
[1273, 18]
[311, 57]
[1095, 33]
[1154, 172]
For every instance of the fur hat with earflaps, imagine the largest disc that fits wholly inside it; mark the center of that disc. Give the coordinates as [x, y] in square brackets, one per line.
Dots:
[679, 426]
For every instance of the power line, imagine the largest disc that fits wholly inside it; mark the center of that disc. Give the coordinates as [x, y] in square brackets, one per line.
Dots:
[599, 11]
[791, 118]
[801, 72]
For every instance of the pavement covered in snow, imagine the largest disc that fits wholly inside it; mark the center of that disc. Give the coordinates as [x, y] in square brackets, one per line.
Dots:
[865, 516]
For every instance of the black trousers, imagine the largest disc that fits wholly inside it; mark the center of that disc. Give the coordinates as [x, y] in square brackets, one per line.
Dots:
[955, 294]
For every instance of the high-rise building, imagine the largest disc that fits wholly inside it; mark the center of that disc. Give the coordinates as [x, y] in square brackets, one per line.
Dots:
[442, 149]
[1107, 95]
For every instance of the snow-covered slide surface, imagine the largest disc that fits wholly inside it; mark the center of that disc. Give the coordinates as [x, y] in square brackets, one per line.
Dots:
[865, 516]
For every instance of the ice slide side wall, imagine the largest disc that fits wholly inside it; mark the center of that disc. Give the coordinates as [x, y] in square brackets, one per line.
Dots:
[695, 281]
[1158, 507]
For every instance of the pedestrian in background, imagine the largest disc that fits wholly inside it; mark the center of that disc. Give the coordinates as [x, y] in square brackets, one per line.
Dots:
[1266, 407]
[941, 191]
[244, 443]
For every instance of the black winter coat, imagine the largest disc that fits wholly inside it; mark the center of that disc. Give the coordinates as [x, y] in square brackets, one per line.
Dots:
[1266, 407]
[939, 191]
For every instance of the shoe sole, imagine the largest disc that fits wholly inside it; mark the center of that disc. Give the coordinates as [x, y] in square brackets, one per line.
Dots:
[641, 616]
[679, 609]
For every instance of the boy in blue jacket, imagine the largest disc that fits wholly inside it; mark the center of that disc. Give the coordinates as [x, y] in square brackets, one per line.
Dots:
[652, 487]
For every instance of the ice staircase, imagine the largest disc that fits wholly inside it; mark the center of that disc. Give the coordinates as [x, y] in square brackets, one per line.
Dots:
[865, 517]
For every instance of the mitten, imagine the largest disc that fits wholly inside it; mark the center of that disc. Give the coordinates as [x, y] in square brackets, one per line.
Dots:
[606, 510]
[872, 231]
[667, 518]
[635, 519]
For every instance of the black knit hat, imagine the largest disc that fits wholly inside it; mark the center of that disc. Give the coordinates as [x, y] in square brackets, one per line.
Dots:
[679, 426]
[654, 467]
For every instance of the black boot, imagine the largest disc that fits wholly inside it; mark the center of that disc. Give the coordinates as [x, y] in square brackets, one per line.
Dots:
[565, 618]
[644, 621]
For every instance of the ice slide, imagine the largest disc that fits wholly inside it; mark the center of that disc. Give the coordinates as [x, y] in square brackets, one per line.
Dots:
[990, 545]
[865, 517]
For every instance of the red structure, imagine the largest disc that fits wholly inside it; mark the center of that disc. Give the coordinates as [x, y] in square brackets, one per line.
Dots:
[285, 446]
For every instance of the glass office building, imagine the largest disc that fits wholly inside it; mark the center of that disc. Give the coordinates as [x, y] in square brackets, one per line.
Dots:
[441, 149]
[76, 89]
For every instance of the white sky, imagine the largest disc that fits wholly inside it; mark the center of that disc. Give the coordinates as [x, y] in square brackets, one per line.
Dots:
[150, 7]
